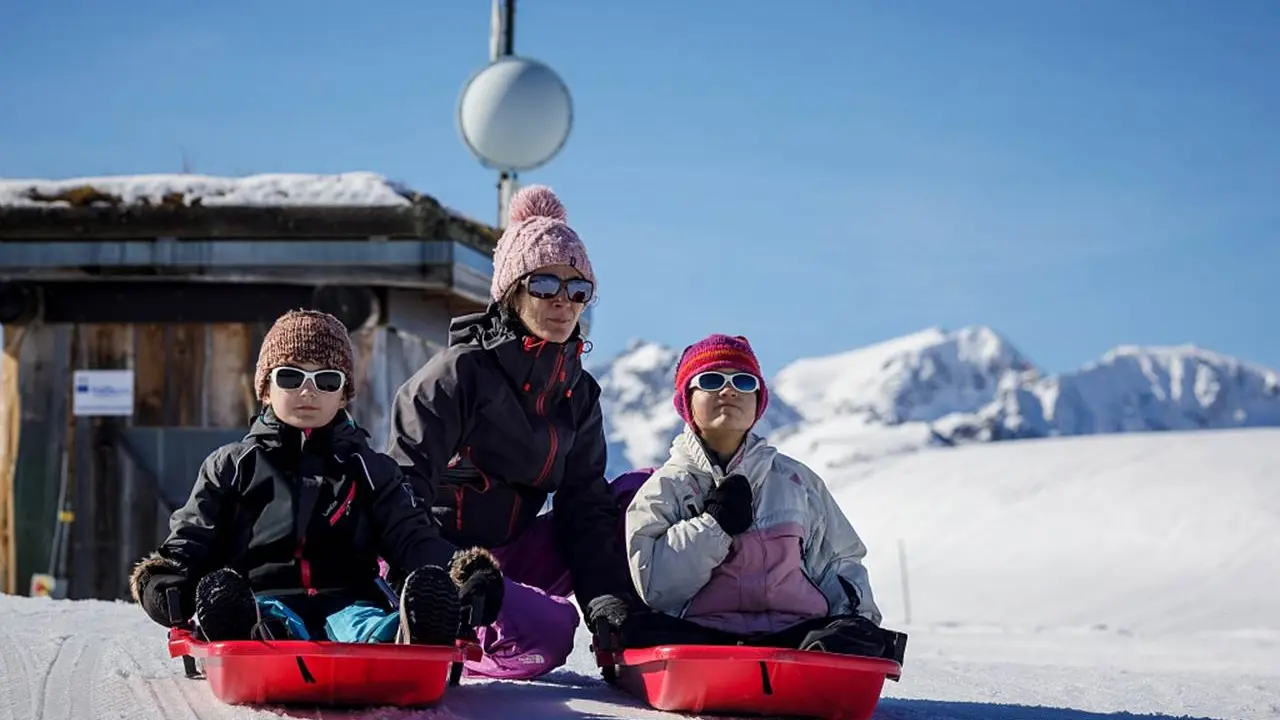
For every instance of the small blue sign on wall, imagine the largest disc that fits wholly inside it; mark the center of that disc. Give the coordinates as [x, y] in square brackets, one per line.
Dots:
[102, 392]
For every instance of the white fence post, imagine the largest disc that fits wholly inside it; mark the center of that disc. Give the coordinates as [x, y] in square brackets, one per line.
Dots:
[902, 571]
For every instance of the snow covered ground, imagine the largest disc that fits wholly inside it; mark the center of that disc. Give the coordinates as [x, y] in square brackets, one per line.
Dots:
[1066, 579]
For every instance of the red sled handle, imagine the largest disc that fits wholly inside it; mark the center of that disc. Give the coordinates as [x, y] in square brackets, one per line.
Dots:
[180, 644]
[606, 644]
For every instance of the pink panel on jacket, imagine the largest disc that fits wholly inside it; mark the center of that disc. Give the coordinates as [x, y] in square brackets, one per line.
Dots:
[761, 586]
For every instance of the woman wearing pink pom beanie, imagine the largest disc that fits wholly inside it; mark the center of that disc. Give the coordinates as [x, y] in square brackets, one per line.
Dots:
[505, 416]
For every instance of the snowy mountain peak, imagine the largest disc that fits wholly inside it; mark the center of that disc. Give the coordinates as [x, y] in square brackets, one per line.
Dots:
[1129, 389]
[1170, 355]
[918, 377]
[1161, 388]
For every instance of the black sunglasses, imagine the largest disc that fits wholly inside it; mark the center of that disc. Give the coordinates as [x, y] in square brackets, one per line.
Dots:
[326, 381]
[546, 286]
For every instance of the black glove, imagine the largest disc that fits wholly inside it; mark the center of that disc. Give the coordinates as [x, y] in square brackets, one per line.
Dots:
[730, 504]
[150, 582]
[477, 576]
[611, 608]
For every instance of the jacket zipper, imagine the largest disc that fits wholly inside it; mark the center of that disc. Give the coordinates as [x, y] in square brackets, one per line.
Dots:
[459, 490]
[346, 504]
[540, 409]
[305, 566]
[457, 513]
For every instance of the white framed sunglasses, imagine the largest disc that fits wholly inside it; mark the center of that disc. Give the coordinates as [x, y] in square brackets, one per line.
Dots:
[292, 378]
[714, 381]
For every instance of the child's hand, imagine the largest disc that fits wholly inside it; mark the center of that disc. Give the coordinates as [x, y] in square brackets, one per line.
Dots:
[155, 601]
[149, 584]
[730, 504]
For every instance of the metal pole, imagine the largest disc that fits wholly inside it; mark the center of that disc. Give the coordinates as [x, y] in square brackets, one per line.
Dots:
[509, 28]
[502, 43]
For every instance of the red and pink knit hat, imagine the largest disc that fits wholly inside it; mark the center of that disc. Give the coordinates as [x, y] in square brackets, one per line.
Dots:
[717, 352]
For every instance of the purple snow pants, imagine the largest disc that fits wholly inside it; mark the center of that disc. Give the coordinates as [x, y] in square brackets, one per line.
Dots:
[534, 630]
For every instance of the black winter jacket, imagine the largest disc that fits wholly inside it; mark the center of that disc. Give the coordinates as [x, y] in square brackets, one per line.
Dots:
[493, 424]
[292, 512]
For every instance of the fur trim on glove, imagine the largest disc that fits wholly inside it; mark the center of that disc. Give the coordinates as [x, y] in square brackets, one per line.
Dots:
[469, 562]
[155, 563]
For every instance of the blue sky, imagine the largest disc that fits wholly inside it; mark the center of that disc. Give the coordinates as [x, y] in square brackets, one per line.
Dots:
[816, 175]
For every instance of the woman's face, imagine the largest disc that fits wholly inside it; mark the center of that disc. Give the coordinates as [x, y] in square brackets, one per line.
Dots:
[551, 299]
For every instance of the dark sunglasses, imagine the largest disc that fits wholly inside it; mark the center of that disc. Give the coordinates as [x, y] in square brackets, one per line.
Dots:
[291, 378]
[713, 381]
[546, 286]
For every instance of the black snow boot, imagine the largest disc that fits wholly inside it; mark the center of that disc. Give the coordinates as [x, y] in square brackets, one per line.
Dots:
[225, 606]
[429, 608]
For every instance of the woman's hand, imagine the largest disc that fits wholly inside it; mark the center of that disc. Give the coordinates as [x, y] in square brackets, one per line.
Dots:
[477, 576]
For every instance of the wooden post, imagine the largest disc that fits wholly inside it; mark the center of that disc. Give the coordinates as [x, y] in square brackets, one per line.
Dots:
[10, 429]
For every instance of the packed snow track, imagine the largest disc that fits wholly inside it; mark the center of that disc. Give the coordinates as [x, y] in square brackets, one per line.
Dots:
[81, 660]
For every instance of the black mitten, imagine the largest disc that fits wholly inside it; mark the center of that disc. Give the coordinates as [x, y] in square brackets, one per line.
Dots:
[149, 584]
[611, 608]
[730, 504]
[477, 575]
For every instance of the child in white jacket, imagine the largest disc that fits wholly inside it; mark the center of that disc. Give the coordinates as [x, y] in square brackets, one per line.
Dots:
[732, 541]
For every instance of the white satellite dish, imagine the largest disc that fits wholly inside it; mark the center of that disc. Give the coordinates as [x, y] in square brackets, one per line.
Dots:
[515, 114]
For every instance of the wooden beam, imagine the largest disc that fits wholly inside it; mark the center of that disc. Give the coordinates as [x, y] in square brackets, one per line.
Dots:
[10, 428]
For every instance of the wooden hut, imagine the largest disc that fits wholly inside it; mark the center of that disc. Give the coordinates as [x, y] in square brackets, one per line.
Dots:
[171, 281]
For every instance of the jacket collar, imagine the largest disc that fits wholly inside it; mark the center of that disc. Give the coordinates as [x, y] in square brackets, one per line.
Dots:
[533, 365]
[753, 459]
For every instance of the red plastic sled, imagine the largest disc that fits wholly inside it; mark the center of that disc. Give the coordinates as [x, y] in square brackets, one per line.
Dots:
[745, 680]
[323, 673]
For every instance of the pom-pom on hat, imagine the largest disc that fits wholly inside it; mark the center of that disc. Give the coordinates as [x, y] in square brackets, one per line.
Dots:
[717, 352]
[536, 236]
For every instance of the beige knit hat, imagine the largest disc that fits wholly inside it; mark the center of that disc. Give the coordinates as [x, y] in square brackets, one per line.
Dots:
[305, 336]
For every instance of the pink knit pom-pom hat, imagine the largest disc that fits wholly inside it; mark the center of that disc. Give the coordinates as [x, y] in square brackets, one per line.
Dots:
[536, 236]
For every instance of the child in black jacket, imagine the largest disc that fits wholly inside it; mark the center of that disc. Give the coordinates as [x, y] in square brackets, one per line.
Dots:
[283, 529]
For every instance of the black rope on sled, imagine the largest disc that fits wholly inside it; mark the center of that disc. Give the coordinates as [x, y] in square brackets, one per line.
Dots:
[306, 674]
[764, 678]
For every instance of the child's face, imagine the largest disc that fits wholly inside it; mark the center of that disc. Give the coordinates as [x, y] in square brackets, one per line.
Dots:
[306, 406]
[727, 410]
